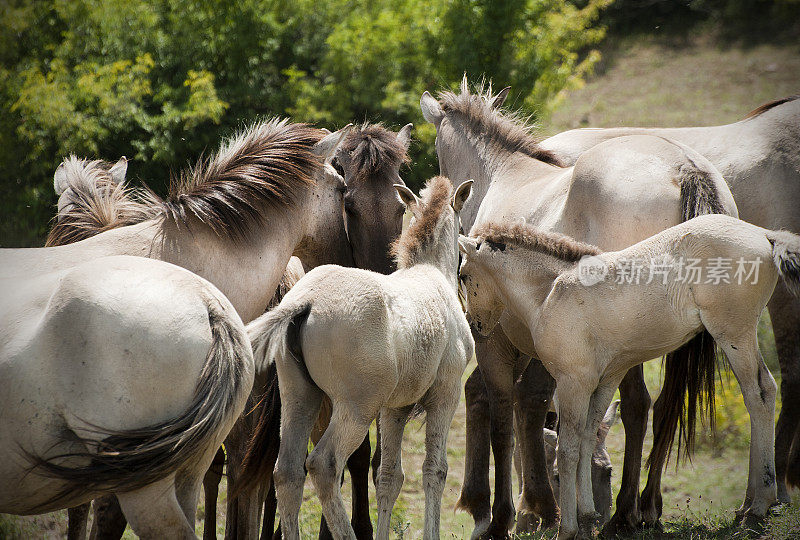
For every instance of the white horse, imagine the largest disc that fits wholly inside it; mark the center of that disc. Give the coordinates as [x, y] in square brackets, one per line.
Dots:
[589, 331]
[373, 344]
[759, 156]
[121, 375]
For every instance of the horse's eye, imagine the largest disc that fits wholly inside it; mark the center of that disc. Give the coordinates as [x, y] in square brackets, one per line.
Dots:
[337, 166]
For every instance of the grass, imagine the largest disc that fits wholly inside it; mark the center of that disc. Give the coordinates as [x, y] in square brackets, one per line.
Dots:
[647, 83]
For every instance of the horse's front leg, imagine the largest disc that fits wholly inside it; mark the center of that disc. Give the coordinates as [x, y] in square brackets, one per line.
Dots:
[635, 404]
[211, 482]
[475, 495]
[533, 393]
[496, 358]
[77, 519]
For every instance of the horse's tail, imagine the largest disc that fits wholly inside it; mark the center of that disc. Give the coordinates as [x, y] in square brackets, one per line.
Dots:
[689, 372]
[131, 459]
[93, 200]
[786, 256]
[274, 334]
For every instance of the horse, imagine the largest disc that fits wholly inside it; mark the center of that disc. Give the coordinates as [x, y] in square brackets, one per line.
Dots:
[617, 194]
[235, 219]
[120, 375]
[564, 290]
[759, 157]
[403, 336]
[369, 160]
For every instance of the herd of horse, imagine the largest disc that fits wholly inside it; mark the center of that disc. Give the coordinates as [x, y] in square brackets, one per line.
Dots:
[149, 331]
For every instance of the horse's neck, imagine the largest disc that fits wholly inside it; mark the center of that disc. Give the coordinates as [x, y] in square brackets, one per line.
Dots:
[495, 169]
[525, 282]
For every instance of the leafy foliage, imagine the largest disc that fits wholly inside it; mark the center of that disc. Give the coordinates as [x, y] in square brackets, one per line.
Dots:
[160, 81]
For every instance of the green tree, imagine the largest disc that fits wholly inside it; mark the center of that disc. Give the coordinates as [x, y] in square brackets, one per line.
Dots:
[161, 81]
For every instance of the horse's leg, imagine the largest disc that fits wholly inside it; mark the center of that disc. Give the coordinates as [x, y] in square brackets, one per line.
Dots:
[153, 512]
[346, 431]
[270, 507]
[376, 456]
[390, 475]
[784, 311]
[475, 493]
[651, 502]
[598, 403]
[496, 358]
[635, 404]
[77, 520]
[242, 512]
[440, 405]
[573, 409]
[759, 391]
[534, 392]
[358, 465]
[109, 520]
[210, 491]
[300, 402]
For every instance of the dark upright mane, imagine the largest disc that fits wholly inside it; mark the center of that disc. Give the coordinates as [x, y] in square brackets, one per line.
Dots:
[769, 105]
[374, 149]
[267, 165]
[511, 130]
[435, 198]
[556, 245]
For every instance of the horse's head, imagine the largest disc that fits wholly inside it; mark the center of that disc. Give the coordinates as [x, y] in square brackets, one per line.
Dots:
[369, 159]
[601, 463]
[478, 286]
[325, 240]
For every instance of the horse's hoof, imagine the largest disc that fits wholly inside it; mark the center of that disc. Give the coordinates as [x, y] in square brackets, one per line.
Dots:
[624, 524]
[753, 523]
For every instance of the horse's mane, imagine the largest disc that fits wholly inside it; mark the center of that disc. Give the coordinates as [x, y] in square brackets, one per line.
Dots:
[266, 165]
[97, 203]
[556, 245]
[513, 131]
[435, 198]
[374, 149]
[769, 105]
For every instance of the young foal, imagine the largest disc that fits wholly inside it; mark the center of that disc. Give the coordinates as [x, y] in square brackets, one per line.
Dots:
[537, 277]
[372, 344]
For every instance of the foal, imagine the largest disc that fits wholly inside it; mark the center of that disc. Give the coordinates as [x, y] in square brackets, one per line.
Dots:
[372, 344]
[566, 307]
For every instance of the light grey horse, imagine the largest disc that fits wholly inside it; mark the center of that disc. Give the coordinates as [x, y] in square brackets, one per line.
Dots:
[618, 193]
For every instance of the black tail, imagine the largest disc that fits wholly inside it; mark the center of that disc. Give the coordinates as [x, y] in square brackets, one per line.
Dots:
[689, 372]
[276, 333]
[129, 460]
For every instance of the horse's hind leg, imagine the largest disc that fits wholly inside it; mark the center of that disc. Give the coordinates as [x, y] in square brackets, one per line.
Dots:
[440, 404]
[390, 475]
[77, 519]
[325, 464]
[358, 465]
[153, 512]
[301, 401]
[475, 495]
[210, 492]
[784, 311]
[758, 390]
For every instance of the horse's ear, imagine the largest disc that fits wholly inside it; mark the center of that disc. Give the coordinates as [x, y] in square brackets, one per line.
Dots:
[329, 143]
[461, 195]
[467, 244]
[407, 196]
[60, 182]
[431, 110]
[550, 437]
[404, 135]
[500, 98]
[118, 170]
[326, 131]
